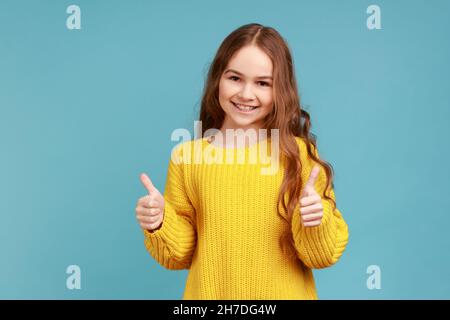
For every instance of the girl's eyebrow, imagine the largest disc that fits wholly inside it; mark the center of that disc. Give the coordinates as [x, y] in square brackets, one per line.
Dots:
[239, 73]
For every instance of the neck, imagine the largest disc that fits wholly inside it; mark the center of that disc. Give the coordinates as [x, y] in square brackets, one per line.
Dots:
[232, 135]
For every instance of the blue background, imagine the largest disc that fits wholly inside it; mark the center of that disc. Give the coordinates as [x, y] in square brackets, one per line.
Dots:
[84, 112]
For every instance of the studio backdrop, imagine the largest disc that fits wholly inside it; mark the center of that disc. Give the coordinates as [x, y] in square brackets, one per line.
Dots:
[91, 91]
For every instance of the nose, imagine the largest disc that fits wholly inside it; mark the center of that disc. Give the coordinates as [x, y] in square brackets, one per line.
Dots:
[246, 93]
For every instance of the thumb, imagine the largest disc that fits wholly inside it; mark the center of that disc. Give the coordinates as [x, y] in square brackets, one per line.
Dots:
[312, 179]
[147, 183]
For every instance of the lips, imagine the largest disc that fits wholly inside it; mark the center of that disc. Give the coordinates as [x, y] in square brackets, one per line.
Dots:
[244, 108]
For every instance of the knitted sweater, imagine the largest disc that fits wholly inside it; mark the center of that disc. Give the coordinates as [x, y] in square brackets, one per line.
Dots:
[221, 223]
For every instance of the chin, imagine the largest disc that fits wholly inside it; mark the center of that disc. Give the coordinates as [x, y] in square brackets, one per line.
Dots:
[239, 122]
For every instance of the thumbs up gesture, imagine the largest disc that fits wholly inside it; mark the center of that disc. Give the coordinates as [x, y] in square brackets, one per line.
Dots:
[150, 208]
[311, 208]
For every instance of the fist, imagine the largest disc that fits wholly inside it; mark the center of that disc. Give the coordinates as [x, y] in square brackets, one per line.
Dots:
[311, 208]
[150, 208]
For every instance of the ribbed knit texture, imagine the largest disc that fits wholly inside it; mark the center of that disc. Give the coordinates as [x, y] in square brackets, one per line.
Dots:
[221, 223]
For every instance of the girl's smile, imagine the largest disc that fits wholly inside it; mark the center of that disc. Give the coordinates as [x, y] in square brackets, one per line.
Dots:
[245, 109]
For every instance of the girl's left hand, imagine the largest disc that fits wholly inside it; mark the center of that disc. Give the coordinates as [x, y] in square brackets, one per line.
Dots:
[311, 208]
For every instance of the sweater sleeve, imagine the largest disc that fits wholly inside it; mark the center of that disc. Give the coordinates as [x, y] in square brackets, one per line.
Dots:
[320, 246]
[173, 244]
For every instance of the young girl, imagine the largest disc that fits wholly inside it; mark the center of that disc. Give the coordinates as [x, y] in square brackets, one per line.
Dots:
[242, 234]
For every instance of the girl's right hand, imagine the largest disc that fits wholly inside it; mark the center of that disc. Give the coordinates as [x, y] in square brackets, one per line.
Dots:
[150, 208]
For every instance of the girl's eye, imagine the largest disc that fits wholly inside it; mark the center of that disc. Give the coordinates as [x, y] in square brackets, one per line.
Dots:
[263, 83]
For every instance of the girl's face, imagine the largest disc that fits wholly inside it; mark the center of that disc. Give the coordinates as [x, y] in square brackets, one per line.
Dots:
[246, 82]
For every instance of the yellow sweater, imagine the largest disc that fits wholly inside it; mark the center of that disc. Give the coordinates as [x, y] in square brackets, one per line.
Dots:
[221, 223]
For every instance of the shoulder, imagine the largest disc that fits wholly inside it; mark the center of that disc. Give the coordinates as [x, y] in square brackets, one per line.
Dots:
[303, 149]
[184, 150]
[180, 146]
[301, 142]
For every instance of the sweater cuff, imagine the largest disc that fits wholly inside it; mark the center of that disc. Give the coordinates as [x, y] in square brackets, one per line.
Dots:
[165, 234]
[314, 244]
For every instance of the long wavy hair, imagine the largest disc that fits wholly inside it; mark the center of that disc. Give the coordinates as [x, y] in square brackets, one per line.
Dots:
[287, 114]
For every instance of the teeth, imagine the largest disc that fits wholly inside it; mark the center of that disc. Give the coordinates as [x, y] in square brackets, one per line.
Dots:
[244, 107]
